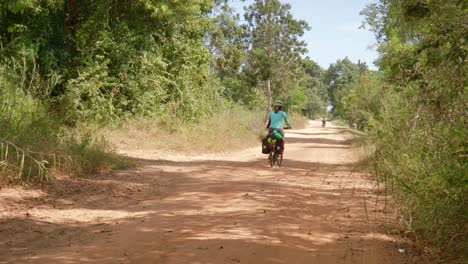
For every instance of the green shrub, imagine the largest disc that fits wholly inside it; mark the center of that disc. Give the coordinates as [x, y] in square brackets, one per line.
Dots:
[33, 142]
[423, 163]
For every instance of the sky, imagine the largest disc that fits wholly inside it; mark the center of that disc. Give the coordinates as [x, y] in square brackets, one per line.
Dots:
[335, 32]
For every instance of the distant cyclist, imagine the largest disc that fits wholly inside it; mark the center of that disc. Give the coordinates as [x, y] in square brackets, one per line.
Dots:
[324, 122]
[276, 117]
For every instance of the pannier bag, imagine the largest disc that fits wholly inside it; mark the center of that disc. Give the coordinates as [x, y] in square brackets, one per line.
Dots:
[272, 139]
[279, 146]
[265, 149]
[277, 135]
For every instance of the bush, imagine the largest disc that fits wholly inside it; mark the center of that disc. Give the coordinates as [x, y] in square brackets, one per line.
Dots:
[418, 145]
[33, 142]
[423, 164]
[362, 102]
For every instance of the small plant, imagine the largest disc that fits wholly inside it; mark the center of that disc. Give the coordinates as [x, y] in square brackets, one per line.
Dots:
[21, 165]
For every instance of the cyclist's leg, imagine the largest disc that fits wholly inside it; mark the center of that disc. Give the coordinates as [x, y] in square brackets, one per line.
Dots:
[282, 140]
[281, 131]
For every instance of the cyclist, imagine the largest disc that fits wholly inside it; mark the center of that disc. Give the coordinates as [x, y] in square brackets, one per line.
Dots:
[275, 121]
[324, 122]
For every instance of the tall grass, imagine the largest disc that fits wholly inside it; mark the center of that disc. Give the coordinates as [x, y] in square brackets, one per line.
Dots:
[423, 162]
[21, 164]
[230, 129]
[33, 142]
[298, 121]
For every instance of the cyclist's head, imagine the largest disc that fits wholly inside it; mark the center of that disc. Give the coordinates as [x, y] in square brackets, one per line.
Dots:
[278, 105]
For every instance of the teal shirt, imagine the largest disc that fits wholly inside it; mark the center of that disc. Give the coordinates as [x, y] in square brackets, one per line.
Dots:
[276, 119]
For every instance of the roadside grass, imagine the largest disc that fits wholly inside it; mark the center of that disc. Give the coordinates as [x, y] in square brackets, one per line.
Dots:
[358, 132]
[339, 123]
[425, 178]
[35, 146]
[298, 121]
[232, 129]
[22, 163]
[228, 130]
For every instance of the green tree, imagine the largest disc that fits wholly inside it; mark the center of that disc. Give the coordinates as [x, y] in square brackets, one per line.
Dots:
[102, 60]
[362, 103]
[420, 137]
[228, 45]
[15, 6]
[314, 90]
[338, 78]
[275, 47]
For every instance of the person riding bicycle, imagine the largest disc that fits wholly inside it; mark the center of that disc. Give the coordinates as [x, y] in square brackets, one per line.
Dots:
[275, 120]
[324, 122]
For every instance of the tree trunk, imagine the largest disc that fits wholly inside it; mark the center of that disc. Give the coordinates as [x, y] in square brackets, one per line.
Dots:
[269, 97]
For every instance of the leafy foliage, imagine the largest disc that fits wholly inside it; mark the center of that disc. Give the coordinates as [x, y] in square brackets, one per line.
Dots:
[361, 104]
[68, 64]
[229, 49]
[113, 58]
[275, 46]
[416, 113]
[261, 58]
[338, 78]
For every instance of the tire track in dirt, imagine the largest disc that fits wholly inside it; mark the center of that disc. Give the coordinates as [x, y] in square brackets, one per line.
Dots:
[230, 208]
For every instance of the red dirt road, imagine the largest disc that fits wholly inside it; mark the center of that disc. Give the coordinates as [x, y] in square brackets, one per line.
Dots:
[231, 208]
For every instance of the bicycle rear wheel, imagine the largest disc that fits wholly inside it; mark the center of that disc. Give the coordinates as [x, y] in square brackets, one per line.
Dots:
[279, 160]
[270, 159]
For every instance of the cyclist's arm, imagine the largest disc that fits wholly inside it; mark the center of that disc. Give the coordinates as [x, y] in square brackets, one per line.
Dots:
[286, 120]
[269, 121]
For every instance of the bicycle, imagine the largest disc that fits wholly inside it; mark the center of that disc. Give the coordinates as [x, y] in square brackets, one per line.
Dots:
[275, 155]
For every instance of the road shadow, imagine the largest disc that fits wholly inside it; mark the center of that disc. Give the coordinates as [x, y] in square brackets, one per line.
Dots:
[327, 147]
[209, 211]
[309, 133]
[216, 212]
[319, 140]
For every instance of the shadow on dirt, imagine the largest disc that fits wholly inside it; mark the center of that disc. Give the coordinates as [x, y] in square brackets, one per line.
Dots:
[217, 211]
[325, 141]
[219, 207]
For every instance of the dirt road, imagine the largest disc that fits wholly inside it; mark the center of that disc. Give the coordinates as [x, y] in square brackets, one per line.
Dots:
[231, 208]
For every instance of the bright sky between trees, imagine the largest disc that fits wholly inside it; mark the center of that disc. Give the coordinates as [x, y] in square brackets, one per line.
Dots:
[335, 32]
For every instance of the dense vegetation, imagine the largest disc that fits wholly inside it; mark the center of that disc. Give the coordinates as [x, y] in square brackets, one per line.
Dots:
[415, 113]
[69, 65]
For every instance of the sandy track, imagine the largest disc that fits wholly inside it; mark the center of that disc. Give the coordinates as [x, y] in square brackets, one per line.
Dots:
[209, 209]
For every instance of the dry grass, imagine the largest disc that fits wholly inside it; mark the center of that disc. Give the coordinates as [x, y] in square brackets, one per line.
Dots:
[228, 130]
[225, 130]
[298, 121]
[21, 165]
